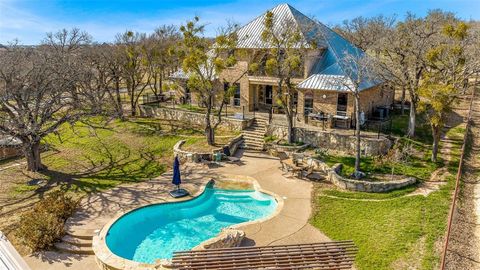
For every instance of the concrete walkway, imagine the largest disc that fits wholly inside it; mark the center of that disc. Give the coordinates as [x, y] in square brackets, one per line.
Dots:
[288, 227]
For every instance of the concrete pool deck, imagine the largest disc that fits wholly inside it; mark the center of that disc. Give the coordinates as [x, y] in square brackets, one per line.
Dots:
[290, 226]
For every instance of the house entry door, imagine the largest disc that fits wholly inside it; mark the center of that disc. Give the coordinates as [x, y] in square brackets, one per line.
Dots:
[342, 103]
[268, 94]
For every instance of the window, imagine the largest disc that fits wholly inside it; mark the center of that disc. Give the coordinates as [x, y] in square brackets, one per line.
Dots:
[308, 104]
[225, 90]
[236, 95]
[342, 102]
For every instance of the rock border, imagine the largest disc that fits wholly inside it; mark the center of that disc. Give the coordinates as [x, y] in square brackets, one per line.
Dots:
[233, 145]
[333, 176]
[287, 148]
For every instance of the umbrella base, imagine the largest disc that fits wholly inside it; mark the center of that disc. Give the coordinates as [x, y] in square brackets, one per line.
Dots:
[178, 193]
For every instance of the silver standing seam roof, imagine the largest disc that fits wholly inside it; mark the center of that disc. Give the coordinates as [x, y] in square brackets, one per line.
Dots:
[329, 72]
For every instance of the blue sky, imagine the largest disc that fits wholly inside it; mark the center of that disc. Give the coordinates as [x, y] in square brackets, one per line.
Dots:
[29, 20]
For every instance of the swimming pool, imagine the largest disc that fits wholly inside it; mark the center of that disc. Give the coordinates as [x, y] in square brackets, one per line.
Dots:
[156, 231]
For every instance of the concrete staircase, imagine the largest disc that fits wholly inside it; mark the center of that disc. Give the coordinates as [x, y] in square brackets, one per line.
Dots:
[76, 242]
[253, 136]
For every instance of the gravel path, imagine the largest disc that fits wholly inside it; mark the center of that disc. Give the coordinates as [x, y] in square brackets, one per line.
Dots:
[464, 248]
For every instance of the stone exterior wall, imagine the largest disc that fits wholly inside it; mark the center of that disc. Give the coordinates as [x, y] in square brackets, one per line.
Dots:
[332, 140]
[365, 186]
[369, 99]
[226, 239]
[237, 74]
[193, 118]
[374, 97]
[9, 152]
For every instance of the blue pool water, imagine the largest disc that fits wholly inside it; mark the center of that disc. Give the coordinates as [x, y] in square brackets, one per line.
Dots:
[156, 231]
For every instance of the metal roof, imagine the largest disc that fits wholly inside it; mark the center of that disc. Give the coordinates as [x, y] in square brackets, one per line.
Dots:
[7, 140]
[331, 70]
[250, 35]
[331, 62]
[327, 82]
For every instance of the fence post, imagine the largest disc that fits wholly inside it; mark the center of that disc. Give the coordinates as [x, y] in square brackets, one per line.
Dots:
[379, 128]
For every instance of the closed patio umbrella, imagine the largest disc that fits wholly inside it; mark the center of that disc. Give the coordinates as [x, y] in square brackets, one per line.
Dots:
[176, 173]
[176, 180]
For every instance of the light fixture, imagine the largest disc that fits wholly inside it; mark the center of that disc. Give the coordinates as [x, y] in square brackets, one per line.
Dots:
[324, 96]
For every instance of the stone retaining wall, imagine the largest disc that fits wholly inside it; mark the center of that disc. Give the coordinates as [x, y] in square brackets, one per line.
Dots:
[226, 239]
[332, 140]
[197, 119]
[9, 152]
[366, 186]
[233, 145]
[286, 148]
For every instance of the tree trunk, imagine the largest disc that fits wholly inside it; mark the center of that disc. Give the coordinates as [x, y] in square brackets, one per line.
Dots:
[133, 104]
[357, 135]
[436, 142]
[402, 101]
[119, 107]
[32, 154]
[209, 131]
[411, 120]
[290, 128]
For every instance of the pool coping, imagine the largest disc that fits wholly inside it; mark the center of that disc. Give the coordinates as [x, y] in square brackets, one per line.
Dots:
[106, 259]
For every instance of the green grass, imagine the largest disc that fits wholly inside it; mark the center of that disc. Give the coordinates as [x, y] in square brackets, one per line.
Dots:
[415, 167]
[423, 132]
[370, 196]
[387, 231]
[397, 232]
[89, 157]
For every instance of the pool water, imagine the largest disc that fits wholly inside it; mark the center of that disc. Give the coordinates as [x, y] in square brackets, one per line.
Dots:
[156, 231]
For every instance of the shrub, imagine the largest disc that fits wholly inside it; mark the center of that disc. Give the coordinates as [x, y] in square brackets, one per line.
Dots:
[44, 224]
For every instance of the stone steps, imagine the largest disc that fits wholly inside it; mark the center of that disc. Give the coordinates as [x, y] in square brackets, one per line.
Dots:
[79, 242]
[73, 249]
[254, 135]
[81, 233]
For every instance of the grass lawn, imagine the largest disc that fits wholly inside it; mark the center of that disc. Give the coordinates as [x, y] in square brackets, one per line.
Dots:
[398, 233]
[89, 157]
[418, 166]
[392, 231]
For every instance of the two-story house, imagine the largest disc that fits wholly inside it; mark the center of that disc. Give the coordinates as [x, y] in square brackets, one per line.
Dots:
[322, 84]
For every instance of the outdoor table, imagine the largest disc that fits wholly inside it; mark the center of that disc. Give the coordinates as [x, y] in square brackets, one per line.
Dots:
[318, 118]
[293, 167]
[342, 119]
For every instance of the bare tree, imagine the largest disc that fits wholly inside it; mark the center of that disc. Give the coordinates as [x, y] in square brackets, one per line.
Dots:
[162, 56]
[357, 67]
[403, 51]
[365, 32]
[38, 90]
[94, 79]
[135, 72]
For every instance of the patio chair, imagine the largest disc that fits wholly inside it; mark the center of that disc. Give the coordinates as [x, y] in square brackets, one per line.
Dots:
[282, 156]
